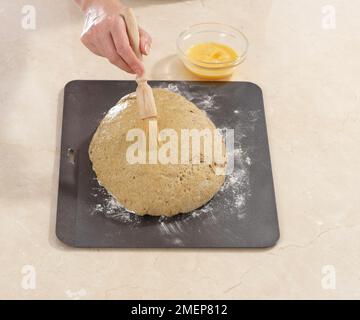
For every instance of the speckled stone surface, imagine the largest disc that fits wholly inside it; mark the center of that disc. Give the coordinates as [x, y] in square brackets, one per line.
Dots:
[309, 73]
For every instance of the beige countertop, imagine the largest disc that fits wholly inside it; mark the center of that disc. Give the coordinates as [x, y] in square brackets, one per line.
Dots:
[310, 76]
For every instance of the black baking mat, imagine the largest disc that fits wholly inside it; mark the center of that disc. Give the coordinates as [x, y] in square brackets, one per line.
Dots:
[243, 213]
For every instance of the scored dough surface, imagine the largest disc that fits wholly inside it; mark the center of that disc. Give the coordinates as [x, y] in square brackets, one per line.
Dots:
[154, 189]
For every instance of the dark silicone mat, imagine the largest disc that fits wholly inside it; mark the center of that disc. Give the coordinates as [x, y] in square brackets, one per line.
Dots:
[242, 215]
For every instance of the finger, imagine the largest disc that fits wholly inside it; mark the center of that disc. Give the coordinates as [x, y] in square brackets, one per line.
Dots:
[92, 47]
[86, 40]
[145, 41]
[108, 50]
[123, 48]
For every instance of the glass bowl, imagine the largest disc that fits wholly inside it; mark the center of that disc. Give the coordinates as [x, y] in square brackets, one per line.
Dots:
[215, 33]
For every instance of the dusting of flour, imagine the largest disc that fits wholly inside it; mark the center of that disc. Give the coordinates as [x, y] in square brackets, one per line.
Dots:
[204, 102]
[120, 106]
[231, 198]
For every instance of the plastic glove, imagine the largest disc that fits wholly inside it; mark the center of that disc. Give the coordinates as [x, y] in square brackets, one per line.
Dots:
[105, 34]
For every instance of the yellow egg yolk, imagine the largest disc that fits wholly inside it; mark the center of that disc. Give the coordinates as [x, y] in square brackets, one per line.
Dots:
[211, 52]
[211, 55]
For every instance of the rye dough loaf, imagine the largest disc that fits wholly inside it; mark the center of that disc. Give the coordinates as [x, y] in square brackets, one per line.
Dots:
[153, 189]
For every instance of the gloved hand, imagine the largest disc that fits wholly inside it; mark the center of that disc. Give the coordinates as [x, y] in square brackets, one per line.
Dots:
[105, 34]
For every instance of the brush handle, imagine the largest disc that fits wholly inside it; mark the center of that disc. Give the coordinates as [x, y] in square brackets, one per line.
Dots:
[134, 38]
[132, 31]
[144, 94]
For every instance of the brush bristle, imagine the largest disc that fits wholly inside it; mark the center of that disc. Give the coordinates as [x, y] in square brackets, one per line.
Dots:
[145, 100]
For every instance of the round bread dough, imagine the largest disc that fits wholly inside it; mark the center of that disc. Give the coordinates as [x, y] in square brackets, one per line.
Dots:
[153, 189]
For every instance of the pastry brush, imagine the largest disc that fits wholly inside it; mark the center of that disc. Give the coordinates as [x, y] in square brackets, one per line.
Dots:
[144, 94]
